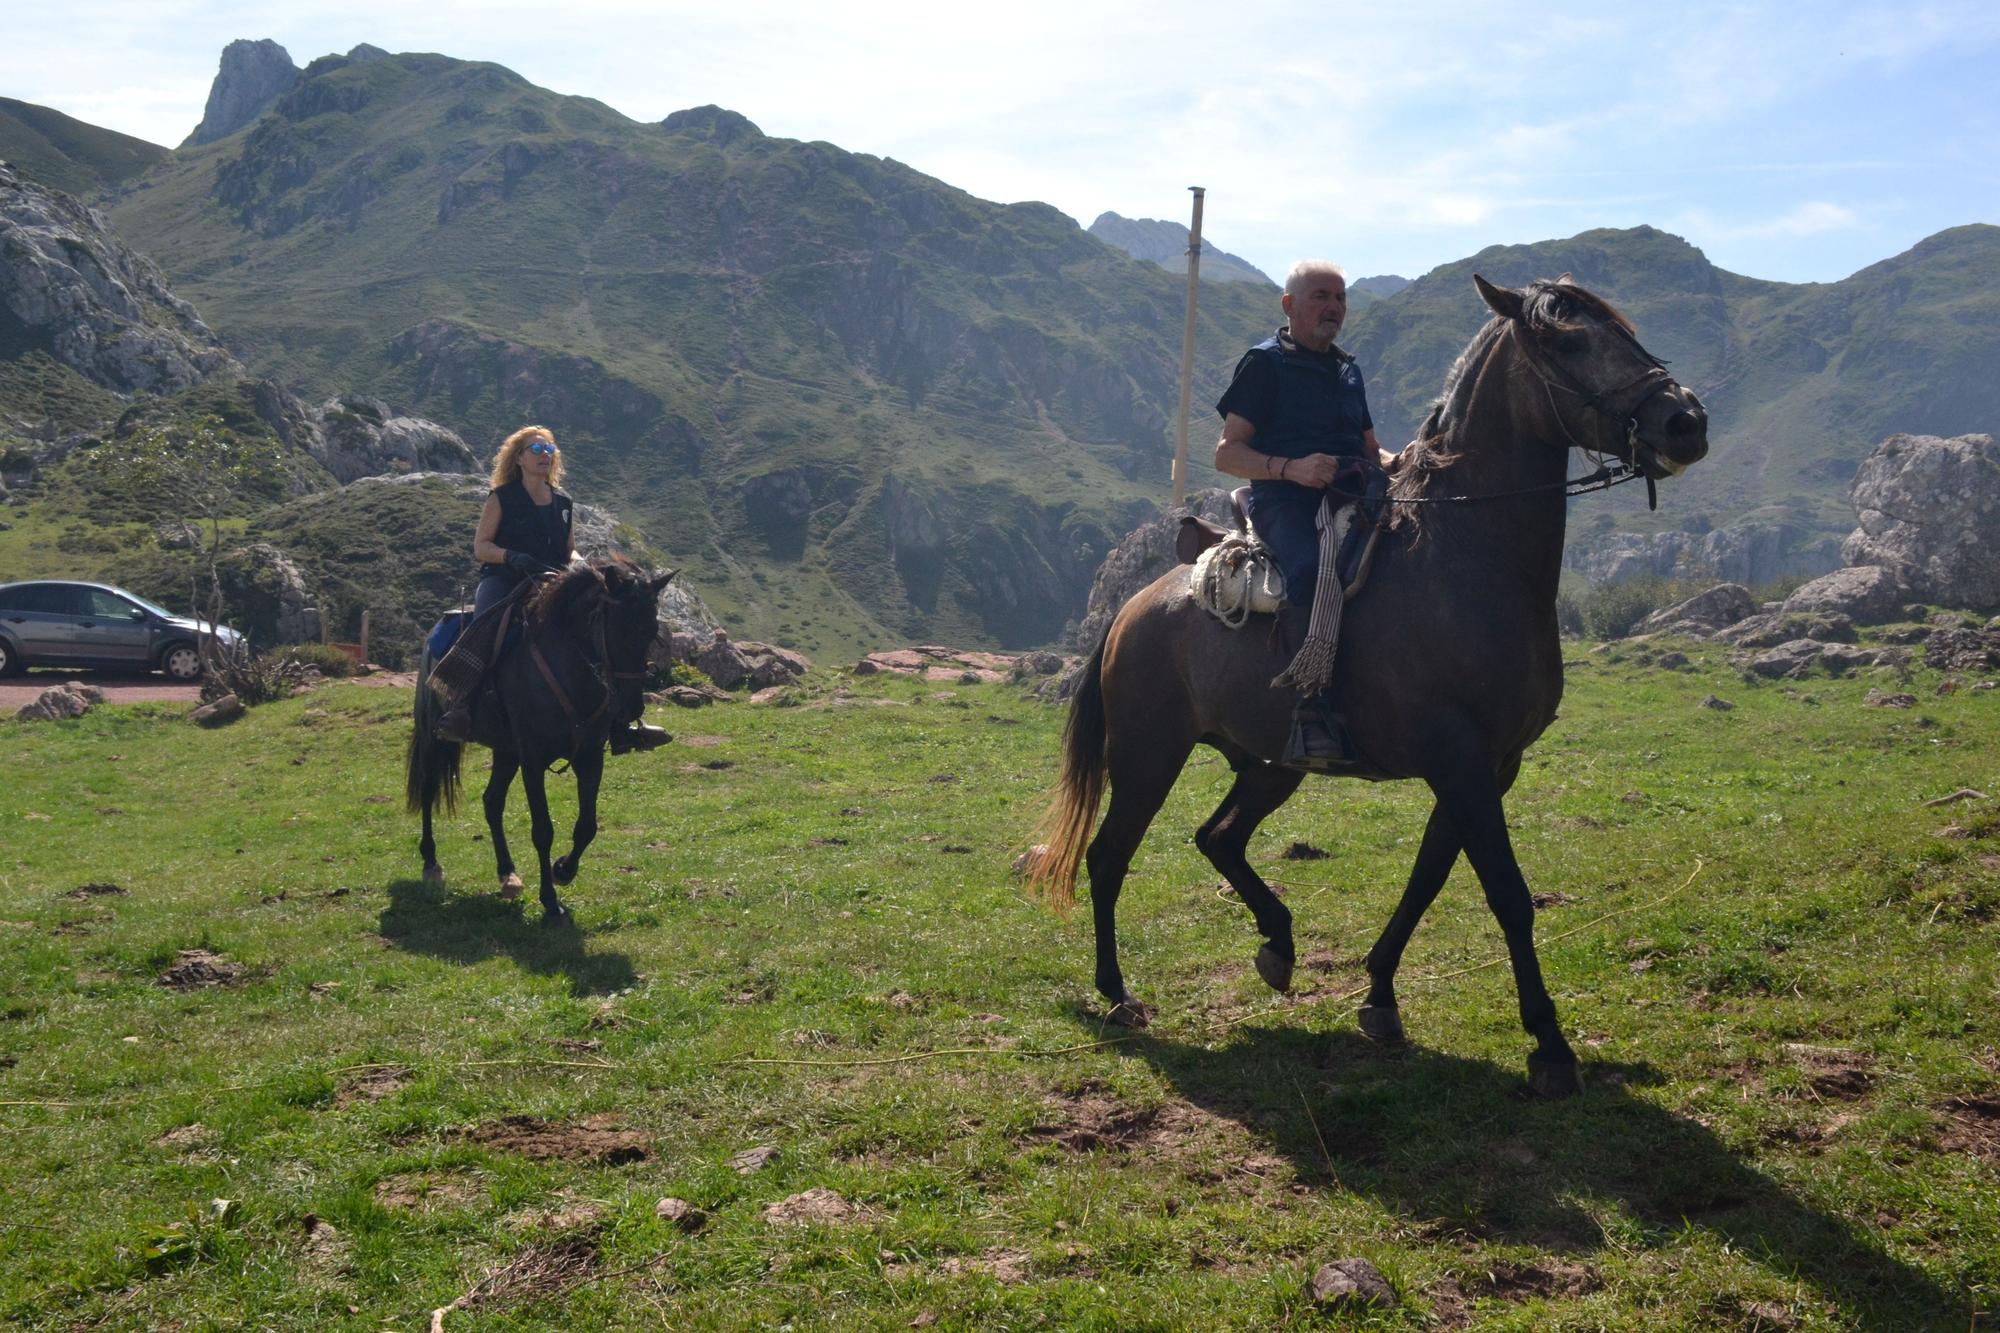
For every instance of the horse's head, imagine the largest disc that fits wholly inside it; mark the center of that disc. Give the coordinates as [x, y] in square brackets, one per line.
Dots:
[1605, 392]
[631, 624]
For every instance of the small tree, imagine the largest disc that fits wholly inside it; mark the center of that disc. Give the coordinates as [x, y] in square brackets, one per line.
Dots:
[202, 472]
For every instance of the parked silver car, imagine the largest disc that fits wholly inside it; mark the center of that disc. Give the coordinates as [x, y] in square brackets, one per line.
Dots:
[50, 623]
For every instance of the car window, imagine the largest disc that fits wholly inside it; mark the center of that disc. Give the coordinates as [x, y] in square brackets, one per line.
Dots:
[48, 598]
[107, 605]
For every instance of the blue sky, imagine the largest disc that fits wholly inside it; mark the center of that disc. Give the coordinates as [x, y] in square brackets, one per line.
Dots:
[1795, 141]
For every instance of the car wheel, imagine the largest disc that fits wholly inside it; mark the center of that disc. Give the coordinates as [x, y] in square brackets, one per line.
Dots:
[10, 659]
[181, 662]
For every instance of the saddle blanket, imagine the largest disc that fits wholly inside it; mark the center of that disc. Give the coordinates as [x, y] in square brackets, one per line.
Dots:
[1238, 577]
[452, 623]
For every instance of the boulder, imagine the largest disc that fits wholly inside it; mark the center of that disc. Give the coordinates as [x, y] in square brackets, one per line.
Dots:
[70, 699]
[1867, 594]
[1703, 614]
[1768, 629]
[1350, 1282]
[1787, 660]
[760, 665]
[365, 437]
[1135, 562]
[226, 709]
[1963, 649]
[1929, 511]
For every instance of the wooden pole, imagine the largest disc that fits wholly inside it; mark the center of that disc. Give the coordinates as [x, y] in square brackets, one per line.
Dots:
[364, 637]
[1187, 352]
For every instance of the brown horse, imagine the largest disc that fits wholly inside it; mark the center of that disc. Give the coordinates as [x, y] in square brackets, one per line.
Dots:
[1450, 665]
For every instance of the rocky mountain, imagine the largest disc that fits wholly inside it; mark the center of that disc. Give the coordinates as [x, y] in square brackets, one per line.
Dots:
[1378, 287]
[251, 77]
[864, 406]
[72, 290]
[1800, 381]
[66, 154]
[1166, 244]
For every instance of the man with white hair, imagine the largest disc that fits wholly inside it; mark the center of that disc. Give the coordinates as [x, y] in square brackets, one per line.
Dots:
[1294, 422]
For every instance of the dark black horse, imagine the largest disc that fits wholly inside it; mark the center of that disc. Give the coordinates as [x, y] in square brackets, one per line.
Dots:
[578, 671]
[1450, 665]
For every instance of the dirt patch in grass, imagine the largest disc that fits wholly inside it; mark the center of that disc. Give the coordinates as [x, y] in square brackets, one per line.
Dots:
[323, 1251]
[83, 892]
[186, 1138]
[818, 1205]
[198, 969]
[565, 1215]
[1093, 1119]
[602, 1139]
[1004, 1266]
[1833, 1074]
[370, 1085]
[1548, 1279]
[1972, 1125]
[429, 1191]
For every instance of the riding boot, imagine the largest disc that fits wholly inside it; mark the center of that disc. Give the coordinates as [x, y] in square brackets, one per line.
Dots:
[456, 725]
[1318, 741]
[637, 736]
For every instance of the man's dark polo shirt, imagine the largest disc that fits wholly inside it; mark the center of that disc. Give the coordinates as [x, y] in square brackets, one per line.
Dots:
[1301, 402]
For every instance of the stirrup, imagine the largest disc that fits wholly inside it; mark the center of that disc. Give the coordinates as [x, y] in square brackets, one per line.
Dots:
[638, 737]
[1318, 742]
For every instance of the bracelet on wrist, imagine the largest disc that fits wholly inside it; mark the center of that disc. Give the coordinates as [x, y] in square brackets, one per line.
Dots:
[1283, 463]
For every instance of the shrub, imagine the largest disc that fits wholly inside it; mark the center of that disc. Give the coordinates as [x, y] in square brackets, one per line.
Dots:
[328, 661]
[1610, 610]
[683, 673]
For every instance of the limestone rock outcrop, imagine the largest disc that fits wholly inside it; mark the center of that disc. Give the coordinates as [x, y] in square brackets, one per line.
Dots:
[252, 75]
[365, 437]
[1866, 594]
[1746, 553]
[1929, 511]
[1145, 553]
[70, 287]
[1703, 614]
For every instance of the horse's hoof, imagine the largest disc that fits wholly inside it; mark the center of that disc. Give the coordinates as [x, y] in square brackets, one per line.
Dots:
[1381, 1023]
[563, 869]
[1553, 1080]
[434, 874]
[1276, 969]
[557, 917]
[511, 886]
[1131, 1013]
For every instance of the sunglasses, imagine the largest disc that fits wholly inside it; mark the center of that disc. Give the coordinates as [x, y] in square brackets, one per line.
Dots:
[546, 450]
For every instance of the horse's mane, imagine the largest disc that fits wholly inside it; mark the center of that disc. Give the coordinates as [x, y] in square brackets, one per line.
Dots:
[1549, 305]
[569, 599]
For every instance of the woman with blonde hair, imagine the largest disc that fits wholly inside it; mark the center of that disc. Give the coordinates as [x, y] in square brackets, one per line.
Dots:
[526, 531]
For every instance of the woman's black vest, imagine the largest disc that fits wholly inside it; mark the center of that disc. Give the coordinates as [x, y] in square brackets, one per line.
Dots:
[543, 531]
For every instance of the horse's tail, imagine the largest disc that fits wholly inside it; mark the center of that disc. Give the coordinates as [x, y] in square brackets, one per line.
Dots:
[1072, 814]
[431, 775]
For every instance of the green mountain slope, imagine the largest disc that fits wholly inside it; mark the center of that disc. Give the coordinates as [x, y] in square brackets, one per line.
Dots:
[68, 154]
[864, 406]
[1801, 381]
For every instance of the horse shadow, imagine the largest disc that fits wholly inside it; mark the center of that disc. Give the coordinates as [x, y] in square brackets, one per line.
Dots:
[1460, 1147]
[471, 928]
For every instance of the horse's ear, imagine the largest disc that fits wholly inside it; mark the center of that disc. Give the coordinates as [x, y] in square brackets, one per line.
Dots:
[1505, 301]
[661, 582]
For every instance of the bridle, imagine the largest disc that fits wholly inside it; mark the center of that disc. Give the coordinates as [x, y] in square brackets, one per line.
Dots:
[601, 671]
[1611, 470]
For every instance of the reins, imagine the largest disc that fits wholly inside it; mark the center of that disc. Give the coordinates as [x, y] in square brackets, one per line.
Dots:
[601, 671]
[1609, 473]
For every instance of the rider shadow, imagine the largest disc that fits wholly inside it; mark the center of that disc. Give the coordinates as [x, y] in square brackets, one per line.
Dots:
[471, 928]
[1460, 1146]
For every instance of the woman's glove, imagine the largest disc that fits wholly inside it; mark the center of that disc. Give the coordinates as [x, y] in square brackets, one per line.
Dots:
[527, 566]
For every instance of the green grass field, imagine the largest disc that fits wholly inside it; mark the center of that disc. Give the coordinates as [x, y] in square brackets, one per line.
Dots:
[799, 932]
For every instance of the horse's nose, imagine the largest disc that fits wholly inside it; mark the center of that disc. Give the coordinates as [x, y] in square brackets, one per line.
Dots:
[1687, 432]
